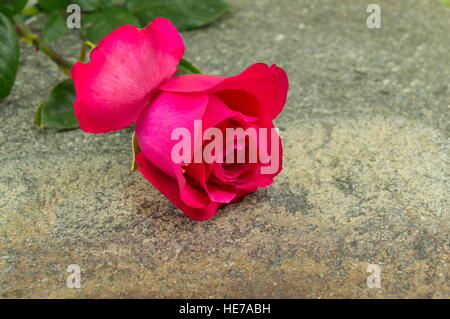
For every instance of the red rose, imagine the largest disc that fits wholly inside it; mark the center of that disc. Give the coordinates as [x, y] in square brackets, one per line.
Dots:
[182, 122]
[251, 99]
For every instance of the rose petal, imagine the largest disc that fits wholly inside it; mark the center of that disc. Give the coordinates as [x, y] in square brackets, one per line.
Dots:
[221, 193]
[217, 112]
[155, 125]
[266, 85]
[191, 83]
[192, 196]
[124, 69]
[260, 90]
[169, 187]
[174, 110]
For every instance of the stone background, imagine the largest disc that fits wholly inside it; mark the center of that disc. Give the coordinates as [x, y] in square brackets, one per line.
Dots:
[365, 179]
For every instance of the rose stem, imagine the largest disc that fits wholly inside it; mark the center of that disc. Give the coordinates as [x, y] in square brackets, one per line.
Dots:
[26, 33]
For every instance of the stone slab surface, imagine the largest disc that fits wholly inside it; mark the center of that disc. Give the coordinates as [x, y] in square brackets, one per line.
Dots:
[365, 179]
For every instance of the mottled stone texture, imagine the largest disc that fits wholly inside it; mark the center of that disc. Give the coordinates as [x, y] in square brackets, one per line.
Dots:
[365, 179]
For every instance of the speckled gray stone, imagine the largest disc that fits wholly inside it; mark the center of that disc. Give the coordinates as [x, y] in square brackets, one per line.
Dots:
[365, 179]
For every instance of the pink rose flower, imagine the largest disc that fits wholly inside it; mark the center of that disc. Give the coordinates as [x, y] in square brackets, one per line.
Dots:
[130, 78]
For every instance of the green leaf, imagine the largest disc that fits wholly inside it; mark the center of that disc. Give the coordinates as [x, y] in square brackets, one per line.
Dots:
[54, 28]
[38, 115]
[97, 24]
[12, 7]
[135, 149]
[184, 14]
[9, 55]
[85, 5]
[52, 5]
[93, 5]
[446, 2]
[30, 11]
[186, 67]
[57, 111]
